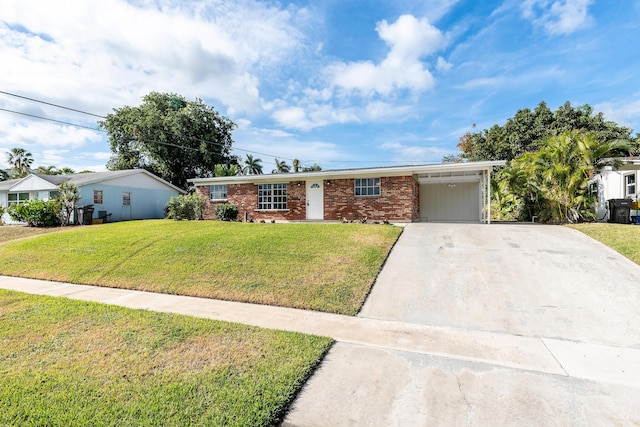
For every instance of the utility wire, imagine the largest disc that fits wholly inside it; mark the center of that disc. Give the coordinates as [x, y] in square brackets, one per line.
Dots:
[51, 120]
[53, 105]
[164, 143]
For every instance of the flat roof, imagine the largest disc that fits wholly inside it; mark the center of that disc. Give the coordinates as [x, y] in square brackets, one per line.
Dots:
[356, 172]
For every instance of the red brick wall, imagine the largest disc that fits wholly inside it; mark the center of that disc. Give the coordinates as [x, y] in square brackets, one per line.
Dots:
[245, 197]
[398, 201]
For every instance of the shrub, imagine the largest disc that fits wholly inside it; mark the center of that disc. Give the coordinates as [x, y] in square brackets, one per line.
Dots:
[188, 207]
[226, 212]
[37, 213]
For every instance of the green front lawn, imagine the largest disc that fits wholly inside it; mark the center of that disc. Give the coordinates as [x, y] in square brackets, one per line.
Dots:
[326, 267]
[72, 363]
[624, 238]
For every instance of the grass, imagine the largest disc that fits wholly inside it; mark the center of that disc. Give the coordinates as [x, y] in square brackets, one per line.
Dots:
[325, 267]
[13, 232]
[73, 363]
[624, 238]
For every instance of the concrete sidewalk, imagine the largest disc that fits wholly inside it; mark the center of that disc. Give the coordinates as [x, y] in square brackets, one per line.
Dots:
[365, 342]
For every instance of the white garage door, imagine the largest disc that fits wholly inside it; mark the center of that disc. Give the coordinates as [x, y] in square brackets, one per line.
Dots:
[450, 202]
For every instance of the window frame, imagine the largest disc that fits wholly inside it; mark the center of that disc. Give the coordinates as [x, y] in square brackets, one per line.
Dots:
[273, 197]
[630, 185]
[218, 191]
[367, 187]
[98, 197]
[18, 200]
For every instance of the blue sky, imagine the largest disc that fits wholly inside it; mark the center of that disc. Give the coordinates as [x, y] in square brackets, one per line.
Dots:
[335, 82]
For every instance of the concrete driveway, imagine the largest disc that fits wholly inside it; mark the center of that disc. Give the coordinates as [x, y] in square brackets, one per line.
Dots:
[496, 290]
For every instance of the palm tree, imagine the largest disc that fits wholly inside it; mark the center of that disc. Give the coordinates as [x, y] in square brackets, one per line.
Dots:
[48, 170]
[67, 171]
[313, 168]
[226, 170]
[20, 161]
[252, 166]
[281, 167]
[296, 165]
[552, 183]
[69, 197]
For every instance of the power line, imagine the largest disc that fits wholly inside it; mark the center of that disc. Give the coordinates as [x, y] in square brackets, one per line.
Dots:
[175, 134]
[51, 120]
[53, 105]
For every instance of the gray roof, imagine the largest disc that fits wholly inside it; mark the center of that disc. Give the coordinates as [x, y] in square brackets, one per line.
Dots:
[80, 179]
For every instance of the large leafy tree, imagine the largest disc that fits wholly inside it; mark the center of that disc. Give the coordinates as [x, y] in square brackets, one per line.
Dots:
[20, 161]
[527, 129]
[169, 136]
[551, 183]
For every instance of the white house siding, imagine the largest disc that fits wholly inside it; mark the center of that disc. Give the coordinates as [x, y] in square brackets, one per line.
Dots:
[610, 184]
[145, 203]
[450, 202]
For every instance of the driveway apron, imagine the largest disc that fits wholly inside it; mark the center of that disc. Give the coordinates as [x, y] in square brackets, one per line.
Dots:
[547, 289]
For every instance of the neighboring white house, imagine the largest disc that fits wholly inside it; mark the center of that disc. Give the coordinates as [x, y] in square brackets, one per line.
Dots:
[621, 183]
[115, 195]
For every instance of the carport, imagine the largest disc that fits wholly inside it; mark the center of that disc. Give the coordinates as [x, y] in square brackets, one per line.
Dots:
[458, 193]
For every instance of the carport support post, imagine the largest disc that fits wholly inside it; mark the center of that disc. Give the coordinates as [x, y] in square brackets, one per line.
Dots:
[488, 176]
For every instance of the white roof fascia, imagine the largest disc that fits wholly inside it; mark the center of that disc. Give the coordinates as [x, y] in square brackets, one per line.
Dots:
[32, 183]
[111, 175]
[350, 173]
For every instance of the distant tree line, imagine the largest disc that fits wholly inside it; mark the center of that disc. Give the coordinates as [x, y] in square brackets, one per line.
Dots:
[21, 162]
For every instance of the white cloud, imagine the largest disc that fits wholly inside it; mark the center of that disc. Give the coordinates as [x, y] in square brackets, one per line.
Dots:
[625, 113]
[442, 65]
[284, 146]
[558, 17]
[412, 153]
[313, 116]
[122, 51]
[410, 39]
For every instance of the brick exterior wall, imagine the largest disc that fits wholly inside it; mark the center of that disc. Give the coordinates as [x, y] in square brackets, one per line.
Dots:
[398, 201]
[245, 197]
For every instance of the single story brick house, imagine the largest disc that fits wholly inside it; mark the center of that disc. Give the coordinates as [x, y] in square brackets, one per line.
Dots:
[114, 195]
[444, 192]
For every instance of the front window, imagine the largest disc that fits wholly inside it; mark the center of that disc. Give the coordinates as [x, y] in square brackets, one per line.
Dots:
[17, 198]
[630, 185]
[97, 197]
[218, 192]
[272, 196]
[367, 186]
[126, 198]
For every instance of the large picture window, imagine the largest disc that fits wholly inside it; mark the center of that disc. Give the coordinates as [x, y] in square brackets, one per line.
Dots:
[630, 185]
[16, 198]
[367, 186]
[218, 192]
[272, 196]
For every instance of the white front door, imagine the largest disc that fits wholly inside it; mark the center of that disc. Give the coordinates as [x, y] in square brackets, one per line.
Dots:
[315, 200]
